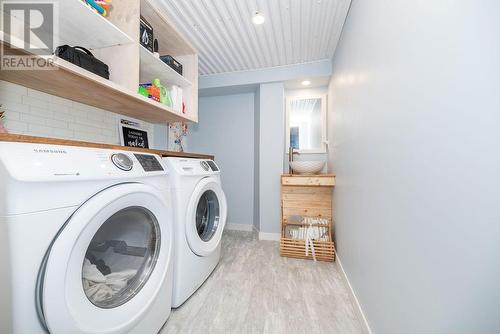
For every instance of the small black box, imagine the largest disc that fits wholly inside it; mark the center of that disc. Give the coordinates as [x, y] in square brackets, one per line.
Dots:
[146, 35]
[170, 61]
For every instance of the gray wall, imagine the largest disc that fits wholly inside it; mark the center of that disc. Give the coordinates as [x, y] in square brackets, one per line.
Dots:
[416, 132]
[226, 129]
[272, 147]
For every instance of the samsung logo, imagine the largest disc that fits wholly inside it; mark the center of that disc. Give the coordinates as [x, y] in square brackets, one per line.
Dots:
[43, 150]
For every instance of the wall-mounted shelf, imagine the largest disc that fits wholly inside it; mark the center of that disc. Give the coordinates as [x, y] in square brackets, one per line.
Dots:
[72, 82]
[152, 68]
[115, 41]
[80, 25]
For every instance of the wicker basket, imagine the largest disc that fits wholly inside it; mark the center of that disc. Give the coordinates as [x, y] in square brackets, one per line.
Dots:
[324, 250]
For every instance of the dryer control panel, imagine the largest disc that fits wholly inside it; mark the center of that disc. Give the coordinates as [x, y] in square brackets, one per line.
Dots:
[185, 166]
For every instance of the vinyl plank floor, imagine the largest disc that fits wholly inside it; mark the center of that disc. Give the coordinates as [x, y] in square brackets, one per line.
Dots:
[254, 290]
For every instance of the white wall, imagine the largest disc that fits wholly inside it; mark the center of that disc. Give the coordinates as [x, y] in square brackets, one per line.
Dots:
[34, 113]
[416, 131]
[272, 147]
[226, 129]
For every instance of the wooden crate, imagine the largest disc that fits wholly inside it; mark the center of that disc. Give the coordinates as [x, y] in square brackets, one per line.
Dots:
[306, 196]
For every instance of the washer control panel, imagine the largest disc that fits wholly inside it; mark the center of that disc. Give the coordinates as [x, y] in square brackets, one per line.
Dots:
[122, 161]
[149, 162]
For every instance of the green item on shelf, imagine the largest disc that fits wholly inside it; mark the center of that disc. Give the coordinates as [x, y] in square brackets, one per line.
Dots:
[164, 93]
[143, 91]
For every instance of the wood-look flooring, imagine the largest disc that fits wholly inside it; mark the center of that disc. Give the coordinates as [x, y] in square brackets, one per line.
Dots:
[254, 290]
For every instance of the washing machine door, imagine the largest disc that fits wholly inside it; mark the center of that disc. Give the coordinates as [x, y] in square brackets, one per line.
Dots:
[206, 217]
[105, 267]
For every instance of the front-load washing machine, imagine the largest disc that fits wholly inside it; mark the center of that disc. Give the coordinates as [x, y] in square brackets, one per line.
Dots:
[85, 240]
[200, 211]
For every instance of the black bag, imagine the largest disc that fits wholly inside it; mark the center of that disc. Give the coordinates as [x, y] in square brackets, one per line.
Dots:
[84, 58]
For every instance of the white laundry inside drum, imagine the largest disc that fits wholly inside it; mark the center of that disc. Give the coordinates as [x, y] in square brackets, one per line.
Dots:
[121, 257]
[99, 287]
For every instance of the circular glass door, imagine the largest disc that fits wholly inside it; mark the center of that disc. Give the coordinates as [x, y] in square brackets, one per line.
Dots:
[207, 215]
[107, 266]
[120, 257]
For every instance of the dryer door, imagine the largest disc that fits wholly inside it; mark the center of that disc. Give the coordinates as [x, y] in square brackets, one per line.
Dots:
[206, 217]
[105, 267]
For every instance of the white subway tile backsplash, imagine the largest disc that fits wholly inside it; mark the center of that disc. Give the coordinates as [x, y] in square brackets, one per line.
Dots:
[83, 128]
[108, 132]
[64, 117]
[39, 95]
[54, 123]
[13, 89]
[59, 108]
[35, 102]
[78, 113]
[6, 96]
[14, 106]
[41, 112]
[60, 101]
[31, 119]
[39, 129]
[35, 113]
[12, 115]
[16, 126]
[63, 133]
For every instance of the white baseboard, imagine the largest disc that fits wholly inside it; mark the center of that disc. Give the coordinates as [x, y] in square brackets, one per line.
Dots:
[239, 227]
[269, 236]
[355, 301]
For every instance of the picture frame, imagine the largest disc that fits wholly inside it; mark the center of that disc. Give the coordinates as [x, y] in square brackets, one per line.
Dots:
[132, 135]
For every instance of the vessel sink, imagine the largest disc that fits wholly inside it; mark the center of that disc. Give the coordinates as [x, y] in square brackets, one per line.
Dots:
[307, 167]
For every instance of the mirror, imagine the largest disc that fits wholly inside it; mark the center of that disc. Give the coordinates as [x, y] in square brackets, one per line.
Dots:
[306, 124]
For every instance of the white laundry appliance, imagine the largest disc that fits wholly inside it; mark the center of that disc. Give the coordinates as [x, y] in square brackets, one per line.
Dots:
[85, 240]
[200, 212]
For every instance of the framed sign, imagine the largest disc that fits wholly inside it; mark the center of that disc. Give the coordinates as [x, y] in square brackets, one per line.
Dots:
[132, 135]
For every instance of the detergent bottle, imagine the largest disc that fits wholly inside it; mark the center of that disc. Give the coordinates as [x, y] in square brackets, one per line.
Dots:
[164, 93]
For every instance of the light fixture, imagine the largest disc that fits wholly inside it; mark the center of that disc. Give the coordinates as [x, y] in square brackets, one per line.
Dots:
[306, 83]
[258, 18]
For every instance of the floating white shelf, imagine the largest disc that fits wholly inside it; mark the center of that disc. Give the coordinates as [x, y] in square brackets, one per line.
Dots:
[80, 25]
[153, 68]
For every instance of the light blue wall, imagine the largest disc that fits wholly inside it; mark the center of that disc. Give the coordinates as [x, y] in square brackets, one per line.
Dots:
[256, 162]
[226, 129]
[267, 103]
[416, 119]
[272, 143]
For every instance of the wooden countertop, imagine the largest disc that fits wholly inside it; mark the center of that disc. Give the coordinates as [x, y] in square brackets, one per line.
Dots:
[308, 180]
[52, 141]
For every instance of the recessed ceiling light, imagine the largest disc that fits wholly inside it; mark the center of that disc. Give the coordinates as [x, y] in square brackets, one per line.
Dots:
[306, 83]
[258, 18]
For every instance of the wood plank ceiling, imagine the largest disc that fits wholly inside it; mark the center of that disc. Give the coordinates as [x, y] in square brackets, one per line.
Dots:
[295, 31]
